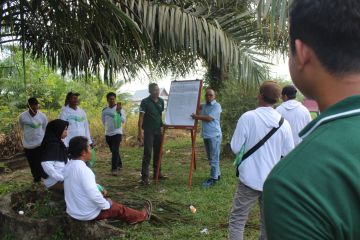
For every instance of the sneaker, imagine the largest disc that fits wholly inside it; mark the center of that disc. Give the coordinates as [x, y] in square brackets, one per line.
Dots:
[209, 182]
[161, 177]
[144, 182]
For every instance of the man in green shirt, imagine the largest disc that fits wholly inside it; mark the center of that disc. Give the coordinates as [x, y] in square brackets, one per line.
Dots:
[314, 192]
[149, 130]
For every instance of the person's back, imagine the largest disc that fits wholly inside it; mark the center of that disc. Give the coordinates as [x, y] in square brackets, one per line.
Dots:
[252, 127]
[319, 181]
[250, 131]
[297, 115]
[314, 192]
[83, 200]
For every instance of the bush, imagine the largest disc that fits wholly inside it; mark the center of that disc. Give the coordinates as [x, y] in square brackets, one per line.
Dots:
[235, 99]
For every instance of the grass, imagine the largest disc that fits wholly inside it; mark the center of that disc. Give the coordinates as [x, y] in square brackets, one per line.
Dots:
[171, 198]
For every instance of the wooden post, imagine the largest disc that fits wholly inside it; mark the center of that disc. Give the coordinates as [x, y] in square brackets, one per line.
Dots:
[160, 155]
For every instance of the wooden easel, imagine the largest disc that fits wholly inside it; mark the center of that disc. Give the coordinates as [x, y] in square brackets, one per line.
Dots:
[193, 130]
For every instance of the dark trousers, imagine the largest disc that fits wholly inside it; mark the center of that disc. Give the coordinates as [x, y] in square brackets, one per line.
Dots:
[152, 141]
[34, 159]
[114, 145]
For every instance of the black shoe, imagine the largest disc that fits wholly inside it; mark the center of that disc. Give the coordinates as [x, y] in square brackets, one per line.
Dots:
[161, 177]
[144, 182]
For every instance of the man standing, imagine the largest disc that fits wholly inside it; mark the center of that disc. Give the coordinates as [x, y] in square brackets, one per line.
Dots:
[251, 128]
[150, 120]
[83, 198]
[314, 192]
[113, 117]
[211, 133]
[78, 122]
[294, 112]
[33, 124]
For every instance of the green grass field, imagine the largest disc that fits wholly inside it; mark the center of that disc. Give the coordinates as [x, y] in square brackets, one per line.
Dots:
[172, 218]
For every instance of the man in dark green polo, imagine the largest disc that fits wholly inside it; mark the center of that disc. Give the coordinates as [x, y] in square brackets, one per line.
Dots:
[149, 130]
[314, 192]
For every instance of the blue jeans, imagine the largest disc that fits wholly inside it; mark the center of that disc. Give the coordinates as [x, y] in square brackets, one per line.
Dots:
[212, 147]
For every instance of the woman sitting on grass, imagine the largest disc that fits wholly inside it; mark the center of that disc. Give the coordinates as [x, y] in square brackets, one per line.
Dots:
[54, 154]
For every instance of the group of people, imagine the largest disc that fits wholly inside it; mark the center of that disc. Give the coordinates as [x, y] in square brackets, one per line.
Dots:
[59, 151]
[304, 174]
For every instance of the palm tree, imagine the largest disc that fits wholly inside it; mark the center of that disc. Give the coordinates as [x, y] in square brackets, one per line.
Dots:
[79, 36]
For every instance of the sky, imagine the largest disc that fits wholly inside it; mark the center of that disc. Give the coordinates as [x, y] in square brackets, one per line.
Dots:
[279, 70]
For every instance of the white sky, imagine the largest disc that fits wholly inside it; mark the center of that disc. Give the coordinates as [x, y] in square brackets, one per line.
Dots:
[279, 70]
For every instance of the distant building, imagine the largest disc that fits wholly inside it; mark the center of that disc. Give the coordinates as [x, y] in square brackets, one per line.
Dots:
[311, 105]
[144, 93]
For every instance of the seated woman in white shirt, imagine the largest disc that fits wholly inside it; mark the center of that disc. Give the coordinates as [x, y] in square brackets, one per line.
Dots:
[83, 199]
[54, 154]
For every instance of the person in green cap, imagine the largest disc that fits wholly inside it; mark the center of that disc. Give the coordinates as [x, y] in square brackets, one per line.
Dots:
[113, 116]
[314, 192]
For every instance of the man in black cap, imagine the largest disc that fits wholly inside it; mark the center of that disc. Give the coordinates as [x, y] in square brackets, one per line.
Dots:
[33, 123]
[294, 112]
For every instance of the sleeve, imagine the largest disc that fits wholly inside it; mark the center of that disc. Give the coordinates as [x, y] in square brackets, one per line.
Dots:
[103, 117]
[240, 135]
[87, 130]
[21, 122]
[123, 116]
[45, 122]
[288, 143]
[163, 105]
[142, 108]
[215, 112]
[49, 168]
[295, 222]
[63, 115]
[90, 187]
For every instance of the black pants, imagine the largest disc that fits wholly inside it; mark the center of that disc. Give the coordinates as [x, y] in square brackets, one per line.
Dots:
[114, 145]
[152, 141]
[34, 159]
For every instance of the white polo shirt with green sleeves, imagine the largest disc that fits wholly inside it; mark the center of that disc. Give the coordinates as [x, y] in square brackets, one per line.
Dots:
[314, 192]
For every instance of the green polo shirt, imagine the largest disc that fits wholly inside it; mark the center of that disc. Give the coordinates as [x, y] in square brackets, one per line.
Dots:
[314, 192]
[152, 114]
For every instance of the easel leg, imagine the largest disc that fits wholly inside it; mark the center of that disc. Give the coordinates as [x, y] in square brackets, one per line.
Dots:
[192, 162]
[160, 156]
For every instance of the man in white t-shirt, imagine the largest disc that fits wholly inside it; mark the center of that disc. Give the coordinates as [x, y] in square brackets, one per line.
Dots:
[294, 112]
[252, 127]
[83, 199]
[78, 122]
[33, 123]
[113, 117]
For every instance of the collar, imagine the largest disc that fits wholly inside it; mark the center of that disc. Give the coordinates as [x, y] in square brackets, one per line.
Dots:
[211, 103]
[345, 108]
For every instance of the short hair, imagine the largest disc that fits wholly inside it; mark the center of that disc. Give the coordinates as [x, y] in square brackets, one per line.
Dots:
[70, 95]
[289, 91]
[76, 146]
[331, 29]
[270, 91]
[33, 101]
[152, 86]
[110, 94]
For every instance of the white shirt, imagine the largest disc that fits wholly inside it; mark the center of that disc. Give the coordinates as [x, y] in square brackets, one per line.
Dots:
[108, 120]
[54, 170]
[251, 128]
[78, 124]
[297, 115]
[33, 129]
[83, 199]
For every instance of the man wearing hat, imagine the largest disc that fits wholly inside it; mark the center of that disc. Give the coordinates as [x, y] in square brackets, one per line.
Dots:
[33, 123]
[78, 122]
[294, 112]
